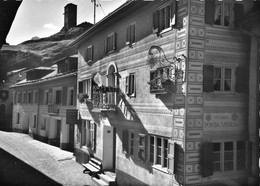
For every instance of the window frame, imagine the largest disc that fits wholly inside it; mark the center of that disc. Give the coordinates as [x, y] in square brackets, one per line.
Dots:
[34, 117]
[110, 44]
[164, 152]
[131, 34]
[234, 159]
[46, 97]
[222, 79]
[24, 97]
[70, 96]
[89, 53]
[130, 86]
[87, 87]
[35, 97]
[18, 118]
[29, 97]
[222, 14]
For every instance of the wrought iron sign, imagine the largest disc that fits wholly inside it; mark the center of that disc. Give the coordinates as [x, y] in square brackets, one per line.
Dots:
[164, 78]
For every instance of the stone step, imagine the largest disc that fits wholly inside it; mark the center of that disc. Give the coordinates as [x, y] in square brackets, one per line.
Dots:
[107, 178]
[99, 182]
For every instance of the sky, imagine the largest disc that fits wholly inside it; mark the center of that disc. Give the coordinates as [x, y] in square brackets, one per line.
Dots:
[43, 18]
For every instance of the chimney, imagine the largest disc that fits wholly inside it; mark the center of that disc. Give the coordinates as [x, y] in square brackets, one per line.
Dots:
[70, 16]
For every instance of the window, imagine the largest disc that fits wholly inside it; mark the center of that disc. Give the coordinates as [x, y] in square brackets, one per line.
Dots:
[141, 148]
[229, 156]
[164, 18]
[35, 96]
[130, 35]
[80, 87]
[18, 118]
[71, 96]
[29, 98]
[158, 151]
[87, 87]
[19, 97]
[46, 97]
[110, 43]
[24, 97]
[34, 120]
[130, 85]
[131, 142]
[44, 123]
[89, 53]
[88, 134]
[224, 13]
[223, 79]
[58, 97]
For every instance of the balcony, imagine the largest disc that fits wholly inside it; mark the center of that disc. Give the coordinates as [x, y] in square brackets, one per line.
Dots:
[53, 109]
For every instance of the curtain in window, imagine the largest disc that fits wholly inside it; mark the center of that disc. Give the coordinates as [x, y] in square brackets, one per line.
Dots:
[218, 13]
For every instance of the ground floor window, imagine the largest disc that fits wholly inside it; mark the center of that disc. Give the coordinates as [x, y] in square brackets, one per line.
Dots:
[158, 151]
[228, 156]
[18, 118]
[88, 137]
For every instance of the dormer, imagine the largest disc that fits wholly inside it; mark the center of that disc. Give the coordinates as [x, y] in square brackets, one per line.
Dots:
[67, 64]
[38, 73]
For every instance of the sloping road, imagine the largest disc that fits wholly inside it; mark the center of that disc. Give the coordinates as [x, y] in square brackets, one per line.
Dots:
[53, 162]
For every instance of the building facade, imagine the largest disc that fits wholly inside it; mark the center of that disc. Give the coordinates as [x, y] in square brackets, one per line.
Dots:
[163, 93]
[42, 100]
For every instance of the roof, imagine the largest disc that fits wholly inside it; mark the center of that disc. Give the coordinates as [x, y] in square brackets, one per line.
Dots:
[15, 71]
[72, 56]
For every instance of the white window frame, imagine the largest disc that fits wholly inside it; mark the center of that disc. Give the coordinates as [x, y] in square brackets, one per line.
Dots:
[162, 165]
[222, 80]
[87, 87]
[222, 14]
[89, 53]
[69, 98]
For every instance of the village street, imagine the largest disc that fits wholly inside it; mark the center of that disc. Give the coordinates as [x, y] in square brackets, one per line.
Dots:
[51, 165]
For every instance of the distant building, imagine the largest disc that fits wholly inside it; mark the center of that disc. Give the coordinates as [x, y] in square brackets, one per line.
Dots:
[41, 102]
[163, 94]
[70, 16]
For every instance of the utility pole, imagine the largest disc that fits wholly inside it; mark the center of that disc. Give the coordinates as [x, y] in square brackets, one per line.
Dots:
[94, 1]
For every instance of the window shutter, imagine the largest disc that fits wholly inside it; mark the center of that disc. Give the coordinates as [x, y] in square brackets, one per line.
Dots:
[105, 45]
[133, 34]
[114, 41]
[207, 159]
[127, 85]
[171, 151]
[209, 11]
[238, 14]
[128, 35]
[142, 142]
[208, 78]
[80, 87]
[64, 95]
[41, 96]
[242, 79]
[132, 84]
[156, 21]
[125, 137]
[173, 12]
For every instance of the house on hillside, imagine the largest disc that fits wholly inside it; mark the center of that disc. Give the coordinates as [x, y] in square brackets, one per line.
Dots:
[42, 101]
[163, 94]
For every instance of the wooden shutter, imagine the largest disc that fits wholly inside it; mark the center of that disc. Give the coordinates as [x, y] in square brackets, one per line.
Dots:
[128, 35]
[209, 11]
[207, 159]
[114, 41]
[80, 87]
[242, 79]
[171, 156]
[238, 14]
[125, 140]
[142, 143]
[64, 95]
[41, 97]
[173, 12]
[127, 85]
[156, 21]
[132, 84]
[208, 78]
[105, 45]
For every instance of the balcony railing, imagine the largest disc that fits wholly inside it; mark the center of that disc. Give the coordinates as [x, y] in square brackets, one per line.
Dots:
[53, 109]
[106, 101]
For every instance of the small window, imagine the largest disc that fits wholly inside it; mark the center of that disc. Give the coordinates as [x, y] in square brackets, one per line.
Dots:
[46, 97]
[141, 150]
[130, 86]
[35, 97]
[130, 35]
[131, 142]
[34, 121]
[58, 97]
[29, 98]
[110, 43]
[18, 118]
[24, 97]
[80, 87]
[89, 53]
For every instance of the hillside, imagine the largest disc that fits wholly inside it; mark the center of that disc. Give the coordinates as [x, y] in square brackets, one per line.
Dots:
[40, 51]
